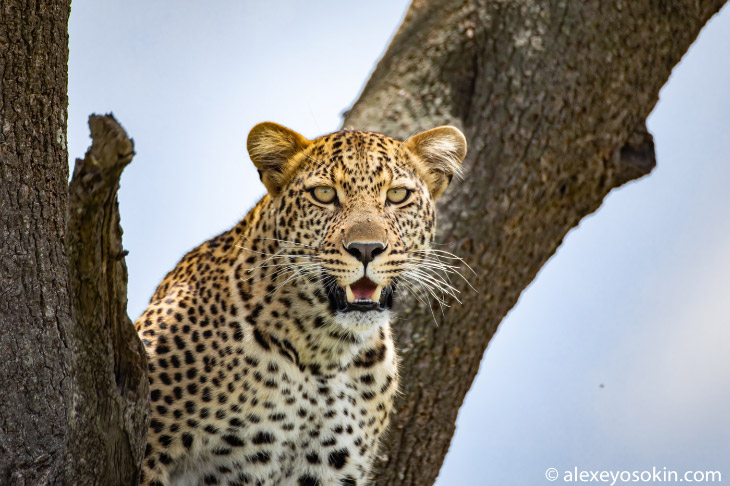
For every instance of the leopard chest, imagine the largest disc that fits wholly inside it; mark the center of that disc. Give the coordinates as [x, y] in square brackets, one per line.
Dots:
[280, 423]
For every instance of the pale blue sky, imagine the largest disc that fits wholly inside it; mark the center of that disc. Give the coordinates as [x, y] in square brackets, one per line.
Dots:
[636, 299]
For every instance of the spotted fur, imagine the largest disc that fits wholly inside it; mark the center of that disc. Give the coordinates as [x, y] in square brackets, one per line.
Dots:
[256, 376]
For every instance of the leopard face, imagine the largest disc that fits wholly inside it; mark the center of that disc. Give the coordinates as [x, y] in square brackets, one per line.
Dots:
[356, 211]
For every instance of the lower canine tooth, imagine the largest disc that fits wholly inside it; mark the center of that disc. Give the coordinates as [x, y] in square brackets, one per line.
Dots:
[350, 295]
[376, 294]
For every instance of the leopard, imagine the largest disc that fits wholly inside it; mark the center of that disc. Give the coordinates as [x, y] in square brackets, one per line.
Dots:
[271, 358]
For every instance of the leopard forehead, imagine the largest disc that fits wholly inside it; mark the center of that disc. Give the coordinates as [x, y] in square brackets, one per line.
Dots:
[358, 161]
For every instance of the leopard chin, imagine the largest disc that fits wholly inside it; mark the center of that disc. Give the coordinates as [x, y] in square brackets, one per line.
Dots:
[362, 322]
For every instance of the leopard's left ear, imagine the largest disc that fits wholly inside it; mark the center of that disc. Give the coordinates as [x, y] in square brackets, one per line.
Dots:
[440, 152]
[273, 148]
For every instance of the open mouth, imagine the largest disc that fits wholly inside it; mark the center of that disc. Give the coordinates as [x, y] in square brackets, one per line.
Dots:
[363, 295]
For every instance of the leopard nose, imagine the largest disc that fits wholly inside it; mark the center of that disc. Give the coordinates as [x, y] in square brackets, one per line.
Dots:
[365, 252]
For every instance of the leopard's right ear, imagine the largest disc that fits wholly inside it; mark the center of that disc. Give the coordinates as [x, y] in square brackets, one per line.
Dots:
[272, 149]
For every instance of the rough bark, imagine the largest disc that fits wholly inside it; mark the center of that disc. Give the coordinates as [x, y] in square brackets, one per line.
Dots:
[73, 388]
[552, 96]
[109, 407]
[34, 305]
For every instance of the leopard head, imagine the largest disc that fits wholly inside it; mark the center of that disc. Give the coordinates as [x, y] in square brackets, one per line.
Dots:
[356, 211]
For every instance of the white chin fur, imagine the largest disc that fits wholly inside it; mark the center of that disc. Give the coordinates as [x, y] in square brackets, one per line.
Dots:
[362, 322]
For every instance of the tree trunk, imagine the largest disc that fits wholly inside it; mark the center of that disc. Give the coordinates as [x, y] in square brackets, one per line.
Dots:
[552, 96]
[73, 385]
[34, 301]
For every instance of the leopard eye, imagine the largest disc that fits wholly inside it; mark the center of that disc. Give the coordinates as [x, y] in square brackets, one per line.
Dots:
[324, 194]
[398, 195]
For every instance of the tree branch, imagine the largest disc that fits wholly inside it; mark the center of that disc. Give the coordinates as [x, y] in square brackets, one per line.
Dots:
[108, 414]
[549, 95]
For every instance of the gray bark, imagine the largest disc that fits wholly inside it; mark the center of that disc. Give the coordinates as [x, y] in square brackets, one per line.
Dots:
[35, 314]
[73, 385]
[552, 96]
[108, 411]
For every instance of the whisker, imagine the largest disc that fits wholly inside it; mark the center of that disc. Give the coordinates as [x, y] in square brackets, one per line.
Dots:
[450, 289]
[444, 254]
[410, 287]
[296, 243]
[296, 274]
[427, 281]
[270, 254]
[432, 291]
[274, 265]
[447, 268]
[282, 268]
[292, 269]
[421, 298]
[434, 265]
